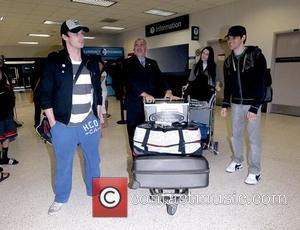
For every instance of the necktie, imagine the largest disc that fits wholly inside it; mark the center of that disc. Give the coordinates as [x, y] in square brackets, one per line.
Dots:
[143, 63]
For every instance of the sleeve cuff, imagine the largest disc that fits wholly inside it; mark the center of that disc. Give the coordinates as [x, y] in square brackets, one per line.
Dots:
[225, 105]
[48, 106]
[253, 109]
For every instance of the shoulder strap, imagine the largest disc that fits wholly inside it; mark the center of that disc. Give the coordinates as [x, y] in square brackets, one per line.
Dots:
[78, 73]
[36, 84]
[181, 146]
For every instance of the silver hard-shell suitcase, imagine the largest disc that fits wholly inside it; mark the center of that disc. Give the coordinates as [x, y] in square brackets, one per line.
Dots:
[170, 172]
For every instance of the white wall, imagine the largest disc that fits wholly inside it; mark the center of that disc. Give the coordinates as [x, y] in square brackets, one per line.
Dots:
[261, 18]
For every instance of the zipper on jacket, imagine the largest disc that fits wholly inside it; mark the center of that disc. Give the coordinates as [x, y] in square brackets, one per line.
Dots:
[237, 70]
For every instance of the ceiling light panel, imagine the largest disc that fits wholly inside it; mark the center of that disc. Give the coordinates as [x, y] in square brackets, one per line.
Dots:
[89, 38]
[49, 22]
[28, 43]
[112, 28]
[18, 62]
[103, 3]
[40, 35]
[160, 12]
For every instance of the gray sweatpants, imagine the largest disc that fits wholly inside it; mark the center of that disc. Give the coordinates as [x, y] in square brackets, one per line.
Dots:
[238, 115]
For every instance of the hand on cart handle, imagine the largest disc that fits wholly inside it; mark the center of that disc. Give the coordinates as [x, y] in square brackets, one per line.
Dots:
[185, 87]
[148, 98]
[170, 96]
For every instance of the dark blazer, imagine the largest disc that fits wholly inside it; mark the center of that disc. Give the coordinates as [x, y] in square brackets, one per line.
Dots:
[142, 79]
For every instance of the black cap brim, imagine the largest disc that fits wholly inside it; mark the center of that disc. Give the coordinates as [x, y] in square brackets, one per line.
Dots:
[79, 28]
[229, 34]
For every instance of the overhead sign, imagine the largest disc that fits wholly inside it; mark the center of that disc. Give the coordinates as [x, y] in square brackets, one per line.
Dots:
[171, 25]
[104, 51]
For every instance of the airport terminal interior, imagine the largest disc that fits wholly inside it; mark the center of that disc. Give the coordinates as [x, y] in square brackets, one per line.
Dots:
[227, 202]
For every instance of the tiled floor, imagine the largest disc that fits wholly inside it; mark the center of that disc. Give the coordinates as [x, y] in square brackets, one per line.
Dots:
[227, 203]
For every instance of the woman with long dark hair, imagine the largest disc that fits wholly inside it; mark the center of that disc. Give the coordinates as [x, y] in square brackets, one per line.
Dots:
[202, 79]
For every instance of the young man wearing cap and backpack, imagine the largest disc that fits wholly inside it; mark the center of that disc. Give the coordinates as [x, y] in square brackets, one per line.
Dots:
[70, 95]
[244, 91]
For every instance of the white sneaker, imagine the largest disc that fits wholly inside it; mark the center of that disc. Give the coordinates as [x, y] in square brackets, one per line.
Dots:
[54, 208]
[252, 179]
[233, 166]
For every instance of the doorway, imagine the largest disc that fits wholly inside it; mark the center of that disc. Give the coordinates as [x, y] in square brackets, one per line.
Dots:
[286, 74]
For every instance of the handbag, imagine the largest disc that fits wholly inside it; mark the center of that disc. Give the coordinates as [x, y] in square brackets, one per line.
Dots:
[43, 130]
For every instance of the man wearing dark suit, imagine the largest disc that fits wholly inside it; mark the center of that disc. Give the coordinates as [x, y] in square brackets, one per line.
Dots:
[144, 81]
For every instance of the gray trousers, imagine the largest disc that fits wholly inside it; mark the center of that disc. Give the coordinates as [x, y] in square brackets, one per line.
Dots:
[238, 115]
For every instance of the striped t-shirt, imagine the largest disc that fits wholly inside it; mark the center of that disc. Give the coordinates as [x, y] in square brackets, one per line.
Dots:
[82, 98]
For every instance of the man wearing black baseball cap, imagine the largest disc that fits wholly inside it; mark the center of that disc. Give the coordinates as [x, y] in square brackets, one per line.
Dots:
[70, 95]
[236, 31]
[244, 72]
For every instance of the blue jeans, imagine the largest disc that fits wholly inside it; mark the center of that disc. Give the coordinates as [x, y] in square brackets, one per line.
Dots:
[65, 140]
[238, 115]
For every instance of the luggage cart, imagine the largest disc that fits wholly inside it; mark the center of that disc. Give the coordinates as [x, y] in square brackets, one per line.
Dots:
[169, 177]
[201, 113]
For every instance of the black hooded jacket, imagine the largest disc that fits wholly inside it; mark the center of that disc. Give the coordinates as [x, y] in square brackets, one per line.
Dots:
[248, 88]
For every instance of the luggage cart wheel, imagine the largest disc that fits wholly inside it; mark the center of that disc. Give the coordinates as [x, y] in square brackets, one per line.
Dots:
[171, 209]
[216, 148]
